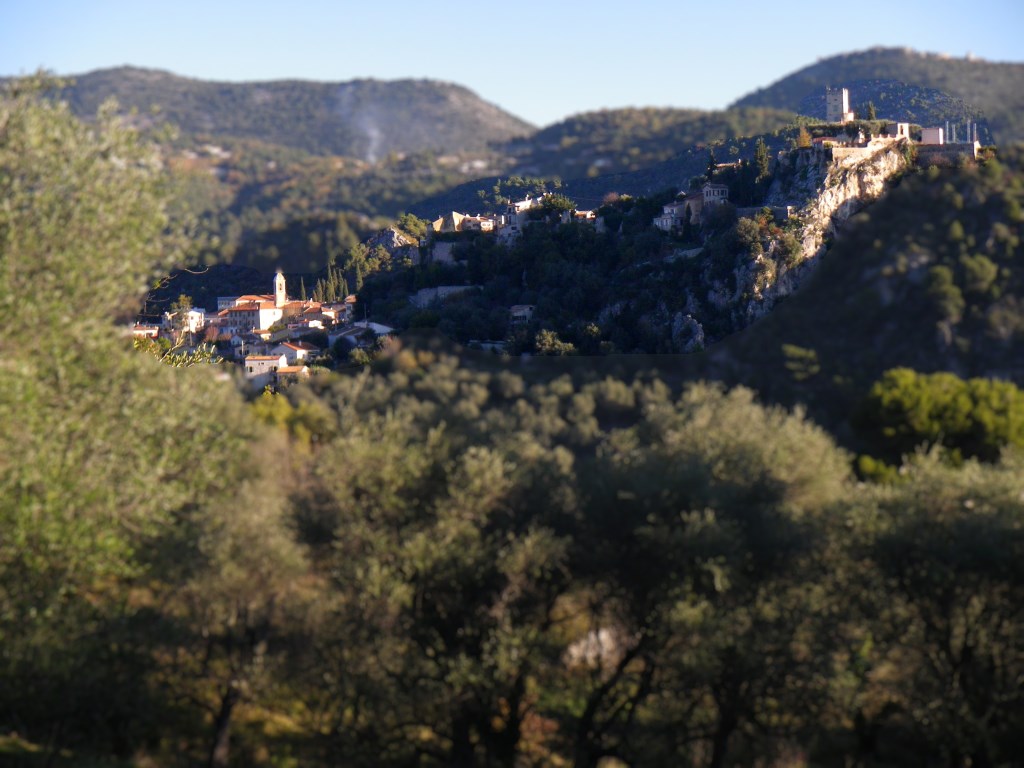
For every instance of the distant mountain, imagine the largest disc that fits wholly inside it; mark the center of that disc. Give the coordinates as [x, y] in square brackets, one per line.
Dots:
[894, 100]
[366, 119]
[996, 88]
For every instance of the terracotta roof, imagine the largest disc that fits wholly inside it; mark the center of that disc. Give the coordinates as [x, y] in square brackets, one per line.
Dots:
[264, 357]
[297, 369]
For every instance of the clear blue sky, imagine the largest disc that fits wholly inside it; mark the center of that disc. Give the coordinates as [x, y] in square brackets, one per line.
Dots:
[539, 60]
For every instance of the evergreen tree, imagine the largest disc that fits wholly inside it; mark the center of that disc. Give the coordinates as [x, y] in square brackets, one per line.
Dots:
[762, 160]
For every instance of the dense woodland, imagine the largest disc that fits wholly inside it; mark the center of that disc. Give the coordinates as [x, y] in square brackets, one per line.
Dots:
[443, 560]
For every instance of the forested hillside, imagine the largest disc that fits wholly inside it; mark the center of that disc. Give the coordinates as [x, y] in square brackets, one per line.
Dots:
[365, 119]
[621, 140]
[266, 207]
[996, 88]
[929, 278]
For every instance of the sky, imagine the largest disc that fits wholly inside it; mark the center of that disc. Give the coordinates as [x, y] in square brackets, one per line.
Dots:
[540, 60]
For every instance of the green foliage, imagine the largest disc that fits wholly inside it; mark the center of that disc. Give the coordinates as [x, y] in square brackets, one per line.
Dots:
[762, 159]
[558, 203]
[945, 294]
[941, 593]
[111, 488]
[980, 273]
[801, 363]
[175, 356]
[548, 343]
[412, 226]
[976, 418]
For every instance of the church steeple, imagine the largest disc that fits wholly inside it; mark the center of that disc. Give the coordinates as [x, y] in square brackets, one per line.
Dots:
[280, 297]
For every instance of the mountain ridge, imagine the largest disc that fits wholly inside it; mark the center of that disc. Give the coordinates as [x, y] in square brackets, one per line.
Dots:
[364, 118]
[996, 88]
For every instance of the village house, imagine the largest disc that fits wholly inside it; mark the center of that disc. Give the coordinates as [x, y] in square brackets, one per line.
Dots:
[296, 351]
[477, 224]
[521, 314]
[673, 215]
[261, 370]
[291, 373]
[145, 331]
[189, 321]
[588, 217]
[246, 343]
[507, 225]
[363, 334]
[449, 222]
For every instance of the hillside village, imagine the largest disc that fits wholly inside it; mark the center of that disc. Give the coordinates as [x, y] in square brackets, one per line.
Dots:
[275, 339]
[267, 334]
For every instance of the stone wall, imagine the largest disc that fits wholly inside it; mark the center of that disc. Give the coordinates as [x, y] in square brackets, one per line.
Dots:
[946, 154]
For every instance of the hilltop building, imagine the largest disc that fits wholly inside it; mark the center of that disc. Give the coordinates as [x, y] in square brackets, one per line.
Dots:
[837, 105]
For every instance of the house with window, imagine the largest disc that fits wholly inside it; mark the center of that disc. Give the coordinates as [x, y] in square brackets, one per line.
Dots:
[296, 352]
[521, 314]
[261, 370]
[292, 373]
[673, 215]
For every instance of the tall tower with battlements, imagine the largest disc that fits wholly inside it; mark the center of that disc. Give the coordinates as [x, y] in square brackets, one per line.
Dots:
[837, 105]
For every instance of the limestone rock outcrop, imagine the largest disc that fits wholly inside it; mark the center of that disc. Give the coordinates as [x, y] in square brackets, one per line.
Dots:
[826, 193]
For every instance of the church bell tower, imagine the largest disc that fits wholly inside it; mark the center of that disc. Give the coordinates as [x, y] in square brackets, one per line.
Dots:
[280, 297]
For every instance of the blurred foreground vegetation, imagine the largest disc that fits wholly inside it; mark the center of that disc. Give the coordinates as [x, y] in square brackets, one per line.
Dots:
[441, 562]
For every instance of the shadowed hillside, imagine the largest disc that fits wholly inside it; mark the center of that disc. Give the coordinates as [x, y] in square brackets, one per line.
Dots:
[623, 140]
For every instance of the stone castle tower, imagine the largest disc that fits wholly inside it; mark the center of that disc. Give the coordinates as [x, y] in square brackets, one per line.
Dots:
[280, 296]
[837, 105]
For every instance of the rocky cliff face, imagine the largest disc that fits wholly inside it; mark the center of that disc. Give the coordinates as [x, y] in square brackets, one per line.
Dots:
[749, 269]
[826, 193]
